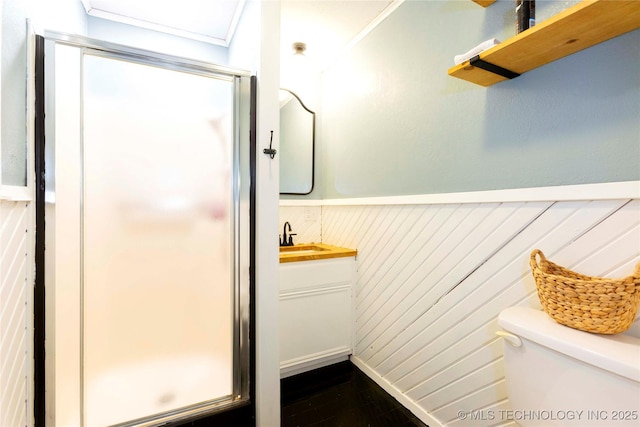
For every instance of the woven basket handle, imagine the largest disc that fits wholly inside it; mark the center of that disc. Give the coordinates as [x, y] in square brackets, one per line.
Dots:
[534, 260]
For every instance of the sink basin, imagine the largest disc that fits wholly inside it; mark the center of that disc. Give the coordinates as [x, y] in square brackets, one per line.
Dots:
[303, 249]
[311, 251]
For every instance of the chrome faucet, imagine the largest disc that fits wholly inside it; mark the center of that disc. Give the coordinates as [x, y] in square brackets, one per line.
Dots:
[284, 241]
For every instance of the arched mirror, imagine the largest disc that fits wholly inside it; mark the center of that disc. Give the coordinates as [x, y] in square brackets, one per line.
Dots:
[297, 145]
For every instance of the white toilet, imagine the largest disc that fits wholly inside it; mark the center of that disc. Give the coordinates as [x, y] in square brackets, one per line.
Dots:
[559, 376]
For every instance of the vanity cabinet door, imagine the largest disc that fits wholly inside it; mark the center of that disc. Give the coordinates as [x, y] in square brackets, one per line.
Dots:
[316, 314]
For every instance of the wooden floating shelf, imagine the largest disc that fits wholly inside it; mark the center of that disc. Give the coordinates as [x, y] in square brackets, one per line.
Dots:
[484, 3]
[578, 27]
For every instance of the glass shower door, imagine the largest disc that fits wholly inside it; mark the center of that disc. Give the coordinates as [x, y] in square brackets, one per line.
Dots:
[158, 239]
[147, 239]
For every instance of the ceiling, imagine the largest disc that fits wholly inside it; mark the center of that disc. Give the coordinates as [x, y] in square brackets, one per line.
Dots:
[327, 27]
[212, 21]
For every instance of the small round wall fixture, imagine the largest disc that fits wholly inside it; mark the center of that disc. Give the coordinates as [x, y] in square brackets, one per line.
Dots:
[299, 48]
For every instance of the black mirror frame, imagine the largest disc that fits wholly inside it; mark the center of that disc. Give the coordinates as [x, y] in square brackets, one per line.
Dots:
[313, 145]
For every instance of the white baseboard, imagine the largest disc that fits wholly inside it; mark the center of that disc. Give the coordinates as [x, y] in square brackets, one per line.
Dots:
[308, 363]
[416, 410]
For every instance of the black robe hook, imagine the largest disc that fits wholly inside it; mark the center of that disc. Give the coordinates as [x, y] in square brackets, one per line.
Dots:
[270, 151]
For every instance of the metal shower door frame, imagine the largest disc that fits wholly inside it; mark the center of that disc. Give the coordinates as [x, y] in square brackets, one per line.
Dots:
[241, 183]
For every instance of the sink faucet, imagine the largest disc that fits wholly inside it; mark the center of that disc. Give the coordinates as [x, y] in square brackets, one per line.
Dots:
[285, 241]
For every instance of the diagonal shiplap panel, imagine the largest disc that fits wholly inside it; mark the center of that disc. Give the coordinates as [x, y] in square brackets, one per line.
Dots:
[433, 278]
[402, 266]
[490, 292]
[477, 312]
[399, 222]
[13, 316]
[488, 233]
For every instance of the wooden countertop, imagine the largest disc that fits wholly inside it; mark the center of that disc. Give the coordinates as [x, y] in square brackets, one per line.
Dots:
[313, 251]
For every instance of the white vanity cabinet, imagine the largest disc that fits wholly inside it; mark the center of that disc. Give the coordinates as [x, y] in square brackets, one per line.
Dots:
[317, 313]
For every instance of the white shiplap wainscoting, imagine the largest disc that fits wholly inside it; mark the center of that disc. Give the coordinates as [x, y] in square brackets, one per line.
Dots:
[15, 316]
[433, 277]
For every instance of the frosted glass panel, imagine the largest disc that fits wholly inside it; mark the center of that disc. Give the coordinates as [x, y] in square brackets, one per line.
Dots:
[158, 240]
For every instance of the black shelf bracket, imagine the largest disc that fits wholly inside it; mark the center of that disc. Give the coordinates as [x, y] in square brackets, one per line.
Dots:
[495, 69]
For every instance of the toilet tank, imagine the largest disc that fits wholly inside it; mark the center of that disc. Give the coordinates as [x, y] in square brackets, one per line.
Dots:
[559, 376]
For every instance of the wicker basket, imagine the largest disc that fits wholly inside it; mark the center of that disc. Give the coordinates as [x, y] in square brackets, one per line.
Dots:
[592, 304]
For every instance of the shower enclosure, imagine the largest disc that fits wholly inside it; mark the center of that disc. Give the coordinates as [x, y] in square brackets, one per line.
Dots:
[147, 235]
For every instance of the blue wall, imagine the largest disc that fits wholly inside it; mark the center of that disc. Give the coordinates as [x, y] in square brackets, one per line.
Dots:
[61, 15]
[394, 123]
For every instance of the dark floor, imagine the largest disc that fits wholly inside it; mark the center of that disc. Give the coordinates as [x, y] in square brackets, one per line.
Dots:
[340, 395]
